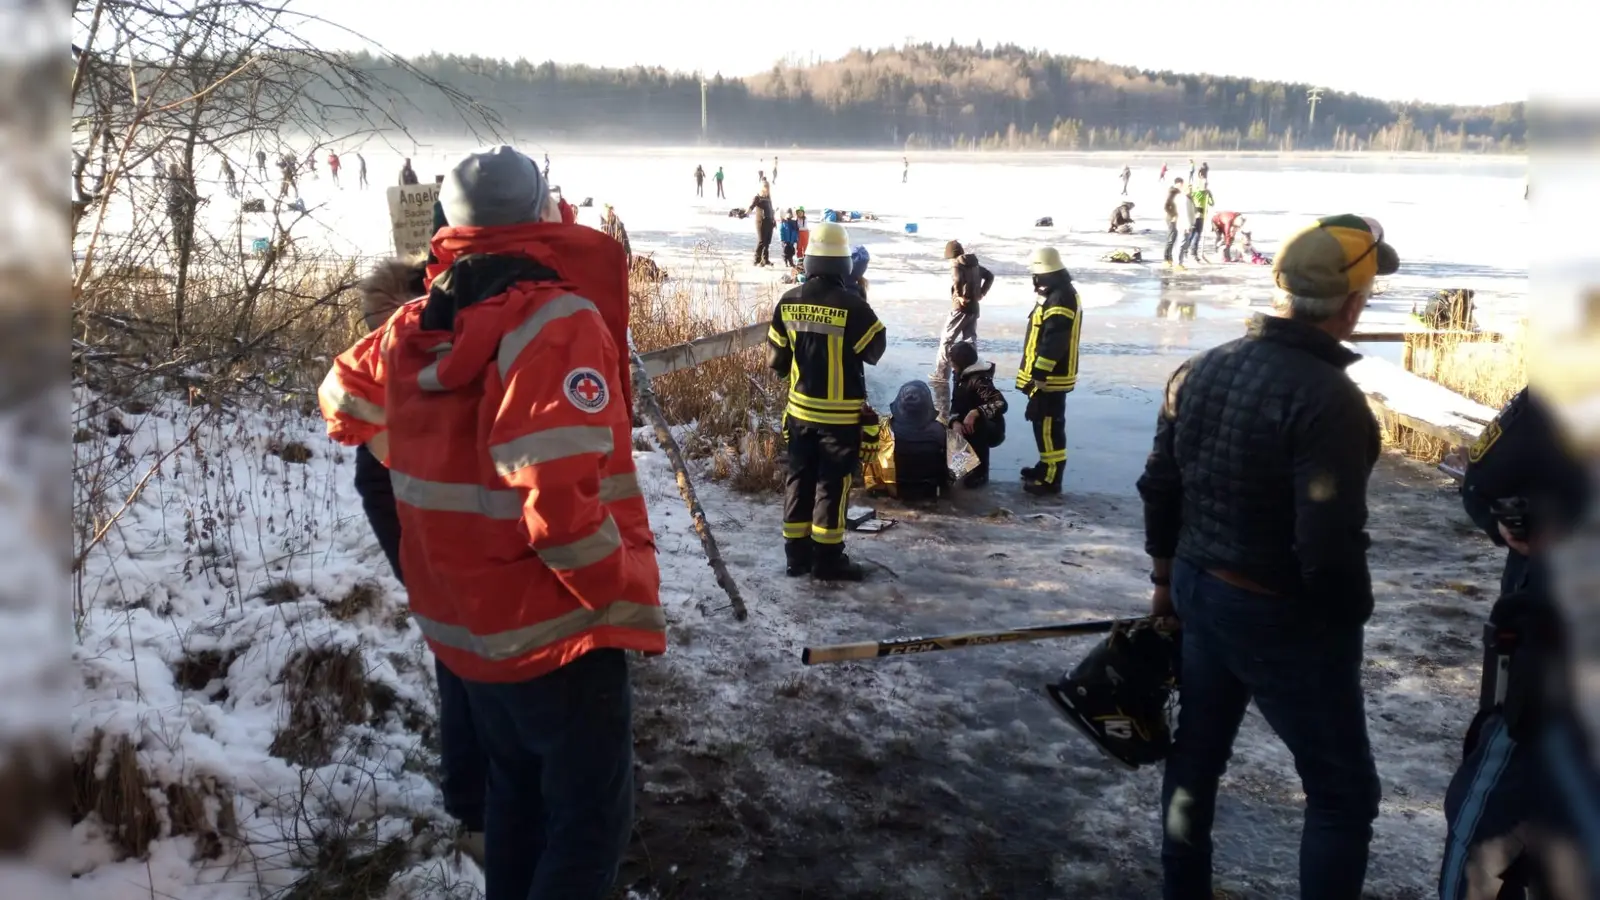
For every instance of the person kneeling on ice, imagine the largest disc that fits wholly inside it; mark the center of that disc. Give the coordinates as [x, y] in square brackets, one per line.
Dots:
[969, 284]
[921, 459]
[1049, 369]
[977, 409]
[1122, 218]
[529, 561]
[823, 334]
[1224, 230]
[1255, 508]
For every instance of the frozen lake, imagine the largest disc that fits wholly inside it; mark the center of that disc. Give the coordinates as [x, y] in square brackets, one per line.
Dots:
[1456, 222]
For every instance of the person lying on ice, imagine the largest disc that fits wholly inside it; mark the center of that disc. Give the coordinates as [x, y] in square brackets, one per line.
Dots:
[977, 410]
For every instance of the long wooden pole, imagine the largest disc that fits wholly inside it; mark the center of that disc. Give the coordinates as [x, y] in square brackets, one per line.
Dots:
[644, 397]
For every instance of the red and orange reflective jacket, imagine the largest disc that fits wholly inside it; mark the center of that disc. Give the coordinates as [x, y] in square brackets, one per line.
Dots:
[503, 397]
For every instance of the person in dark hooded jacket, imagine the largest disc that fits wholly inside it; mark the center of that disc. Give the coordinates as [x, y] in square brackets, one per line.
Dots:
[766, 222]
[977, 409]
[464, 769]
[969, 284]
[921, 459]
[1049, 369]
[1122, 218]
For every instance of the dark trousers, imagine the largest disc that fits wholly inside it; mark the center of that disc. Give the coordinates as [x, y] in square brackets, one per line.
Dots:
[1172, 239]
[764, 247]
[788, 253]
[560, 806]
[1305, 677]
[699, 188]
[984, 437]
[719, 188]
[822, 463]
[465, 767]
[1191, 240]
[1047, 410]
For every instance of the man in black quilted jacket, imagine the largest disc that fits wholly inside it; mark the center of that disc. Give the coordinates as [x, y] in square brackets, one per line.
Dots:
[1255, 515]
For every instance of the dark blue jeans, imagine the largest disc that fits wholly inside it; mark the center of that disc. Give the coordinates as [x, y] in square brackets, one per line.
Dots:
[560, 804]
[465, 767]
[1305, 676]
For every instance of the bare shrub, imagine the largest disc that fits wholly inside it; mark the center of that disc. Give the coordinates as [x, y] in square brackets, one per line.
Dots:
[727, 403]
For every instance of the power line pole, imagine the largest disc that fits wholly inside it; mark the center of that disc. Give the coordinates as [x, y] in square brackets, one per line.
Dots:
[1312, 97]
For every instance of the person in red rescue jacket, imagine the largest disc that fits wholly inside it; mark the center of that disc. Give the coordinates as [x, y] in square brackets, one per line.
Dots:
[529, 559]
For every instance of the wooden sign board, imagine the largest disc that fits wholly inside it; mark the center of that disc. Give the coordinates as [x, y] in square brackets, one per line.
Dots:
[411, 216]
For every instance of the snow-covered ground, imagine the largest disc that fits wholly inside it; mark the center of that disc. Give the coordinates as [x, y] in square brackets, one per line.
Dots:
[947, 775]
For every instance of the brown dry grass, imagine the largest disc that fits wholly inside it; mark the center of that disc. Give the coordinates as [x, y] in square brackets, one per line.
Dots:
[325, 689]
[109, 782]
[733, 403]
[1490, 372]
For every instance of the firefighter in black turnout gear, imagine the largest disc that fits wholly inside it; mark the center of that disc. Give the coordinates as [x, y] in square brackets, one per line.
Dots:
[1049, 368]
[1524, 488]
[823, 333]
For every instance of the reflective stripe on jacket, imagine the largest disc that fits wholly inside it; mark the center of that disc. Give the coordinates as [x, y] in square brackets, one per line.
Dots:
[1050, 348]
[524, 536]
[821, 335]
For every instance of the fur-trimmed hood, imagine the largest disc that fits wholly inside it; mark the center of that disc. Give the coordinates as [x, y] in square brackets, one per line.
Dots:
[390, 285]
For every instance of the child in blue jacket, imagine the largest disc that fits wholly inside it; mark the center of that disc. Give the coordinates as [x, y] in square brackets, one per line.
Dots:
[789, 235]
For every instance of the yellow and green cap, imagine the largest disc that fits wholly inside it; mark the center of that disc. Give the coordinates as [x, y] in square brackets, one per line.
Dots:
[1335, 257]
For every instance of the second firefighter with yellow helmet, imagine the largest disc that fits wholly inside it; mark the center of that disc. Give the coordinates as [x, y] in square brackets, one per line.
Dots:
[1049, 369]
[823, 333]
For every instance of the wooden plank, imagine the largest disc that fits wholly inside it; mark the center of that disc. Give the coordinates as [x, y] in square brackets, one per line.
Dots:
[1401, 398]
[686, 356]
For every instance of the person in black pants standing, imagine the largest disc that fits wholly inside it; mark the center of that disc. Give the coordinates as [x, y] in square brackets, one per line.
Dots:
[464, 766]
[823, 334]
[766, 223]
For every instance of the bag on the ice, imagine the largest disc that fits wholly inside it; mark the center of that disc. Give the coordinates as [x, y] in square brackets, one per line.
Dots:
[1123, 256]
[1045, 222]
[1119, 694]
[959, 452]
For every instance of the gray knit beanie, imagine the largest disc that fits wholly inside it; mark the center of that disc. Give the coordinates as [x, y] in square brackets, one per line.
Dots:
[493, 186]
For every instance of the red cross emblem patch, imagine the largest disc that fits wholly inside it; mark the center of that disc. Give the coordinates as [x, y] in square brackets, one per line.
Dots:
[586, 390]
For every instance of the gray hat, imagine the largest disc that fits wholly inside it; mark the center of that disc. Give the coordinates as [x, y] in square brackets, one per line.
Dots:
[494, 186]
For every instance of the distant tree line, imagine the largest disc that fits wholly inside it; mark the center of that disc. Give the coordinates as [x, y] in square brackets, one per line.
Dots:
[929, 96]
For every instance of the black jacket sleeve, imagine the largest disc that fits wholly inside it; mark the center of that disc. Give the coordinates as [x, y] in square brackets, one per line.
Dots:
[377, 501]
[1161, 485]
[985, 281]
[1333, 444]
[1520, 454]
[779, 353]
[991, 403]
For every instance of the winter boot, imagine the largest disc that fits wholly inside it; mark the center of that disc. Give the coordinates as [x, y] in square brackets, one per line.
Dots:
[1037, 488]
[1032, 473]
[977, 478]
[835, 565]
[799, 557]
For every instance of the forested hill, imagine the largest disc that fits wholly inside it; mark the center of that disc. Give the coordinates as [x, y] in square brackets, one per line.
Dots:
[952, 96]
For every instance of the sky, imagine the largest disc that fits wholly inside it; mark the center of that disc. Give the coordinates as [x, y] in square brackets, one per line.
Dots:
[1455, 51]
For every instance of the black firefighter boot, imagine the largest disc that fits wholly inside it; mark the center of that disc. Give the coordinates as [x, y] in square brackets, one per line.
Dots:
[798, 553]
[832, 564]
